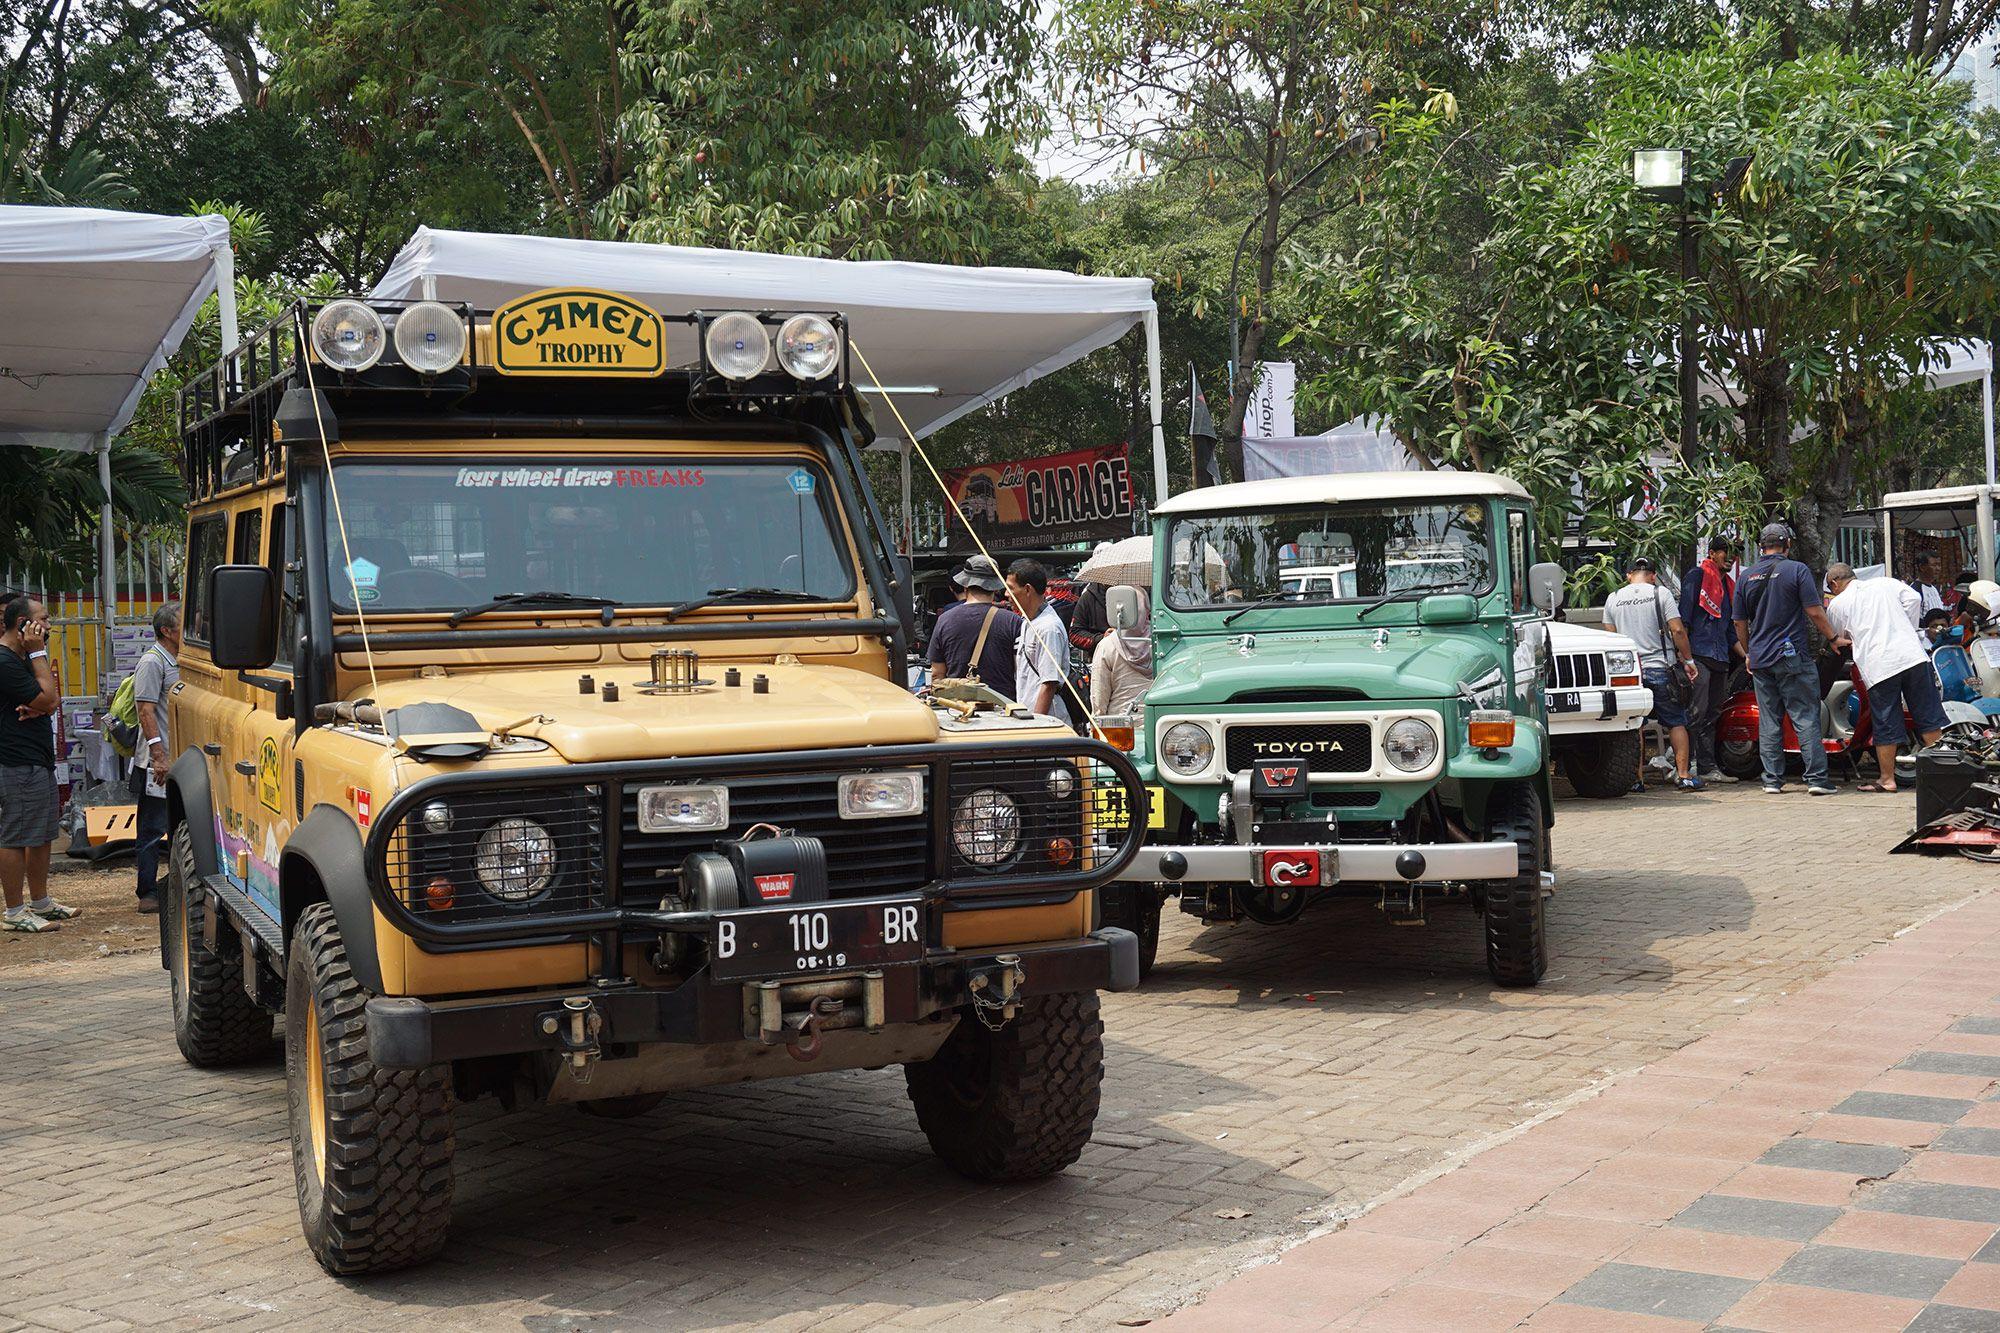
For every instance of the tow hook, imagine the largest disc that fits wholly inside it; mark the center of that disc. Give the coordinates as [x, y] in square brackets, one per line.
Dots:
[577, 1027]
[996, 992]
[804, 1042]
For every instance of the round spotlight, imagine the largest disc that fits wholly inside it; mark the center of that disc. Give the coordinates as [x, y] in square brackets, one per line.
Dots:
[808, 347]
[738, 346]
[430, 338]
[348, 336]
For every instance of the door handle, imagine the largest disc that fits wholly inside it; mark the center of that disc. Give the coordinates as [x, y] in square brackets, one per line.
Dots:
[211, 749]
[247, 767]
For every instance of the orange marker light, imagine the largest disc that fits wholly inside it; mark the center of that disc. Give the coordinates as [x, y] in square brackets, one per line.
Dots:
[1490, 729]
[1061, 851]
[438, 895]
[1118, 738]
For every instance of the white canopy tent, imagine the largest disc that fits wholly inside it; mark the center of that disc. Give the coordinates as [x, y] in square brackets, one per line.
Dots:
[96, 301]
[944, 340]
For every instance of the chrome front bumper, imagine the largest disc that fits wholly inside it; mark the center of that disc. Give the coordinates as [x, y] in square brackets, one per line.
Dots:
[1234, 863]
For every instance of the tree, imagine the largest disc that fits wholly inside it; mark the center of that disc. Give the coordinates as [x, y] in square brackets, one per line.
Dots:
[49, 503]
[1863, 231]
[859, 129]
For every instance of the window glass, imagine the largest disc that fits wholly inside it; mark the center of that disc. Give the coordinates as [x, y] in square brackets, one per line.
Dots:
[249, 544]
[206, 542]
[1323, 553]
[431, 536]
[280, 554]
[1517, 556]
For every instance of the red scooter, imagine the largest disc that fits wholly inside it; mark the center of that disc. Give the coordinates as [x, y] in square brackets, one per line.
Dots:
[1847, 729]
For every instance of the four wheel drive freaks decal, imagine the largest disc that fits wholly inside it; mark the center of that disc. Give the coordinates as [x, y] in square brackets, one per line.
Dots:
[578, 331]
[512, 478]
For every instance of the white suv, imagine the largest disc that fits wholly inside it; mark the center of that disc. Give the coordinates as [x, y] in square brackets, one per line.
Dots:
[1596, 708]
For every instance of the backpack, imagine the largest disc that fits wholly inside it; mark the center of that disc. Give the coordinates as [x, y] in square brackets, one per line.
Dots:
[121, 720]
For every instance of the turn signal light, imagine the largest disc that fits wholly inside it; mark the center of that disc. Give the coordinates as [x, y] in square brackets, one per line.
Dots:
[1116, 736]
[1061, 851]
[1490, 729]
[1624, 680]
[438, 895]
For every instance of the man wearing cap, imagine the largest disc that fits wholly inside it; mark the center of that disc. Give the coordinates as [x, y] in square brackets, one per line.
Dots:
[1776, 599]
[978, 634]
[1879, 618]
[1645, 613]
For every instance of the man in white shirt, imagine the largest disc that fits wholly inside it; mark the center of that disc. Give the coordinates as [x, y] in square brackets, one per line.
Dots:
[1926, 584]
[1041, 654]
[1878, 617]
[1647, 614]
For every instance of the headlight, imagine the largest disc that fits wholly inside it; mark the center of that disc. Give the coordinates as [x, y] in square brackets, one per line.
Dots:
[430, 338]
[986, 828]
[808, 347]
[515, 859]
[437, 818]
[1411, 744]
[1619, 662]
[881, 795]
[1186, 747]
[347, 335]
[683, 809]
[1061, 783]
[738, 347]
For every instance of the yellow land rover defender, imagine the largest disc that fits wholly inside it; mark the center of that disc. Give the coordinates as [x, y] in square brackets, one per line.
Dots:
[543, 734]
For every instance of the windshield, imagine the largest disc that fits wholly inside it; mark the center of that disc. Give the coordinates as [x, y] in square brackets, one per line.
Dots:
[1328, 553]
[443, 535]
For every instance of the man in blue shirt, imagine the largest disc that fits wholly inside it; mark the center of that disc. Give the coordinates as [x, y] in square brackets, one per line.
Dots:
[1708, 602]
[1776, 599]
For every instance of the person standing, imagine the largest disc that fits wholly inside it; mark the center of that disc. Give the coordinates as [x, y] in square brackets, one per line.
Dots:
[1041, 656]
[29, 817]
[1121, 670]
[153, 680]
[977, 635]
[1926, 583]
[1777, 599]
[1708, 603]
[1645, 613]
[1878, 617]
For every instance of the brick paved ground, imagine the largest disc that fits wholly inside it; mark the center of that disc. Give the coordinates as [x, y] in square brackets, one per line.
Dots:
[1832, 1162]
[1265, 1084]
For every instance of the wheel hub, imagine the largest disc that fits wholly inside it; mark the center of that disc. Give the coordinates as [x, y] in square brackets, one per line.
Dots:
[315, 1077]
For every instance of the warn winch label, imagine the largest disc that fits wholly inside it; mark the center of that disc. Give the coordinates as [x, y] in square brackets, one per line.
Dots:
[578, 331]
[775, 888]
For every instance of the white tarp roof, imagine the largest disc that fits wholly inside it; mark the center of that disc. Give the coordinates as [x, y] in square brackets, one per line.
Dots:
[975, 334]
[1364, 444]
[95, 302]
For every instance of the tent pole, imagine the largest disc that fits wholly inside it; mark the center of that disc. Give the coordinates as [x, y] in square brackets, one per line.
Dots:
[909, 538]
[1160, 478]
[107, 582]
[1986, 401]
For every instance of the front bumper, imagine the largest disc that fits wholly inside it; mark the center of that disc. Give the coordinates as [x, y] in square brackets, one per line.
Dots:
[1236, 863]
[1603, 709]
[409, 1033]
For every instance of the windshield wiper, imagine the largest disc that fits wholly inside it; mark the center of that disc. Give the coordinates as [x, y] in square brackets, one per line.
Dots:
[1261, 602]
[1400, 593]
[716, 595]
[507, 599]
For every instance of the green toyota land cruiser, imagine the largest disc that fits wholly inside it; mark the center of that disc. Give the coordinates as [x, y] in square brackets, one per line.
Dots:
[1347, 700]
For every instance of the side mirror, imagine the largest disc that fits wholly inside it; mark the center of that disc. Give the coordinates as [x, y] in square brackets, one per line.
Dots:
[1447, 608]
[1121, 607]
[243, 617]
[905, 595]
[1545, 586]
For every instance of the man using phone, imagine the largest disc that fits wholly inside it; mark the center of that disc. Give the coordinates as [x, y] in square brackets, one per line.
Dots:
[29, 816]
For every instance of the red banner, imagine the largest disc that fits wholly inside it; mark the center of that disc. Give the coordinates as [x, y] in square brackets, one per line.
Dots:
[1082, 495]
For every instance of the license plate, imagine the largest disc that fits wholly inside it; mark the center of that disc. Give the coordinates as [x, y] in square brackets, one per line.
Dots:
[805, 938]
[1107, 808]
[1566, 701]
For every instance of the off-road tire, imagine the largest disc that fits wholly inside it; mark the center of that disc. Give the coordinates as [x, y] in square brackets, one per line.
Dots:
[385, 1200]
[1739, 759]
[1135, 907]
[216, 1023]
[1517, 942]
[1602, 767]
[1017, 1104]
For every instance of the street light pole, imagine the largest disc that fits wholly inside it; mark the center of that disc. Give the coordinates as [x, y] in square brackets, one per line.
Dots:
[1662, 173]
[1690, 354]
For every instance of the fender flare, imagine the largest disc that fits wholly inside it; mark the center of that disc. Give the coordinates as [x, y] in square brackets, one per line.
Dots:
[188, 798]
[329, 843]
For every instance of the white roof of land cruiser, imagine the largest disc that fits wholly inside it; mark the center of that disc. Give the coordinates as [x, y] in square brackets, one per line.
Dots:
[1339, 488]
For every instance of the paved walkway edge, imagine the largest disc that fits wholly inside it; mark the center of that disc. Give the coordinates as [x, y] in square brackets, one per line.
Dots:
[1833, 1155]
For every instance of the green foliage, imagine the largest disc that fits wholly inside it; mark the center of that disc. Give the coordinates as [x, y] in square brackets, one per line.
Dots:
[861, 129]
[49, 507]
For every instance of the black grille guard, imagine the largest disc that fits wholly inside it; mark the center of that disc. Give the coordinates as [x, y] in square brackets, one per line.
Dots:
[951, 893]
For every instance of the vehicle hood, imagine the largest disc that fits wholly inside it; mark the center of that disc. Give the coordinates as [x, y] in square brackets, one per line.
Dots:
[1431, 665]
[808, 708]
